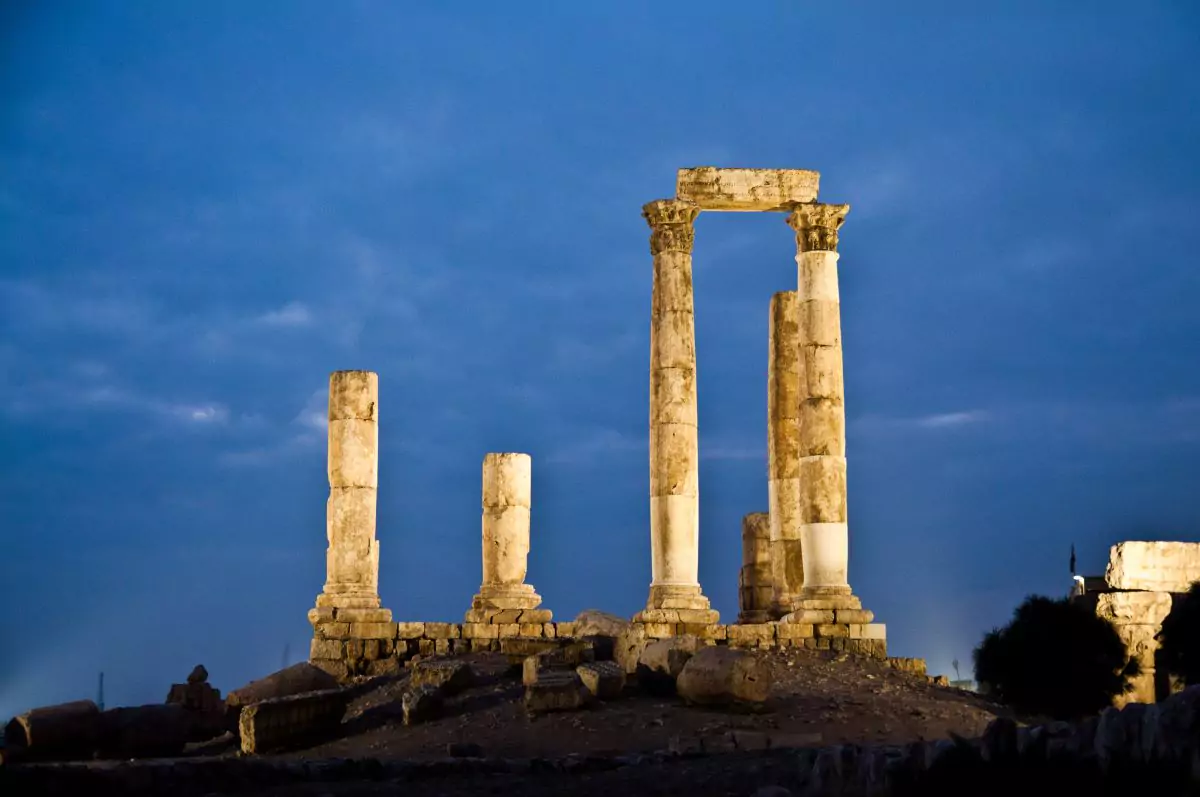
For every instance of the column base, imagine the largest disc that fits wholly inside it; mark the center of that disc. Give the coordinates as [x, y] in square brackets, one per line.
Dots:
[832, 607]
[336, 598]
[675, 603]
[507, 603]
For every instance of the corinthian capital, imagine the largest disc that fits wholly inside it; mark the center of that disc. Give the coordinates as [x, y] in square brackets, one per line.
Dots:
[816, 226]
[671, 223]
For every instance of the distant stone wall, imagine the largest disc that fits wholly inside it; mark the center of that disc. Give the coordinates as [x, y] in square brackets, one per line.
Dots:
[347, 649]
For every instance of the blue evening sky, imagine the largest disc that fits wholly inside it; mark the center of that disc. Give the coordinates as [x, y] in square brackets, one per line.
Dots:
[206, 207]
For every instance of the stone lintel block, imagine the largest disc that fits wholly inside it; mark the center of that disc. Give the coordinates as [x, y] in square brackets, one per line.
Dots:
[373, 630]
[758, 632]
[333, 630]
[876, 631]
[363, 615]
[353, 394]
[507, 630]
[283, 721]
[507, 480]
[795, 630]
[861, 616]
[410, 630]
[443, 631]
[832, 630]
[1123, 608]
[480, 631]
[1153, 566]
[326, 649]
[353, 457]
[566, 629]
[533, 630]
[733, 189]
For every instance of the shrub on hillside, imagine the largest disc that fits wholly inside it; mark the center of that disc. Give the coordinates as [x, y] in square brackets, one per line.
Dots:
[1179, 640]
[1055, 658]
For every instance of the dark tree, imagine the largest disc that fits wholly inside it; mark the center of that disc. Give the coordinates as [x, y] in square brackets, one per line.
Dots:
[1179, 640]
[1054, 658]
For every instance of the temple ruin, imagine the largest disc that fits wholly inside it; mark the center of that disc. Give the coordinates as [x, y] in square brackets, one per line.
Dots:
[794, 587]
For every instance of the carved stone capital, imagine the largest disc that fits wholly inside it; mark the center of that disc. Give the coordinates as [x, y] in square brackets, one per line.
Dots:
[816, 226]
[671, 225]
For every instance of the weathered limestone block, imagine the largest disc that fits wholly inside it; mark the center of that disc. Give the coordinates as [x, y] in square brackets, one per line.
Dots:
[662, 660]
[592, 622]
[604, 679]
[354, 395]
[285, 722]
[713, 188]
[1153, 566]
[716, 675]
[756, 635]
[353, 453]
[421, 704]
[293, 680]
[756, 590]
[448, 675]
[154, 731]
[1141, 608]
[907, 665]
[66, 730]
[556, 691]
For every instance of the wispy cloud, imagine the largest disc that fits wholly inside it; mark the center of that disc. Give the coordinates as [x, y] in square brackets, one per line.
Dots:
[307, 431]
[941, 421]
[292, 314]
[952, 419]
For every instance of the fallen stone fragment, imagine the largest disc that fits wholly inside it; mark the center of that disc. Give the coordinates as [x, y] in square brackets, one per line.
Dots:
[592, 622]
[421, 704]
[604, 679]
[556, 691]
[448, 675]
[662, 661]
[286, 722]
[566, 657]
[64, 731]
[719, 675]
[295, 680]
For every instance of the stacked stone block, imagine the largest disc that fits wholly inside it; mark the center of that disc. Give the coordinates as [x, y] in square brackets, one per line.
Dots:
[756, 590]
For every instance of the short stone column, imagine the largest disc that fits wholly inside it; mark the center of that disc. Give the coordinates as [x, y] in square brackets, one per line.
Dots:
[823, 526]
[675, 594]
[504, 597]
[756, 589]
[783, 450]
[351, 592]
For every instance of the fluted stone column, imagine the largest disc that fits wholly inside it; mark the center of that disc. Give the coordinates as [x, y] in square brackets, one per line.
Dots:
[504, 597]
[674, 444]
[352, 558]
[823, 523]
[783, 450]
[756, 590]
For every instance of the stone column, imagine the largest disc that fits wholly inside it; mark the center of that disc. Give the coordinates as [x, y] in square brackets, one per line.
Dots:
[783, 450]
[756, 590]
[674, 444]
[824, 536]
[504, 597]
[352, 559]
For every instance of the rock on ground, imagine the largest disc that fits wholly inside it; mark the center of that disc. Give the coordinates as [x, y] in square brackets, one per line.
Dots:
[448, 675]
[604, 679]
[421, 704]
[592, 622]
[294, 680]
[719, 675]
[662, 660]
[556, 691]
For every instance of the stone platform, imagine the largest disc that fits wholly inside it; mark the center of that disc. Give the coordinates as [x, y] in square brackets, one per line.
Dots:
[347, 649]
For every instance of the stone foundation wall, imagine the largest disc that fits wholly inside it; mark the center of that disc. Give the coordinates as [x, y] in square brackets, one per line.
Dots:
[347, 649]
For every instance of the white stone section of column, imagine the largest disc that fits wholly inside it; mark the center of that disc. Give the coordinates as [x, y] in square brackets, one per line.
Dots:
[823, 524]
[756, 588]
[507, 498]
[674, 441]
[352, 558]
[783, 450]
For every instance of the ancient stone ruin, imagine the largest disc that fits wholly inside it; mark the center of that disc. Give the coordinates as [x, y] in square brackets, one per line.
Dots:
[1135, 595]
[794, 587]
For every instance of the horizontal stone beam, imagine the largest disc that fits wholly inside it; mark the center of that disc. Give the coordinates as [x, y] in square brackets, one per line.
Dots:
[1153, 566]
[712, 188]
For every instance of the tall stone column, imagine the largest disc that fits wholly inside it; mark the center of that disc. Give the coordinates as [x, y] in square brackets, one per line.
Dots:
[352, 558]
[783, 450]
[674, 442]
[504, 597]
[756, 590]
[824, 536]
